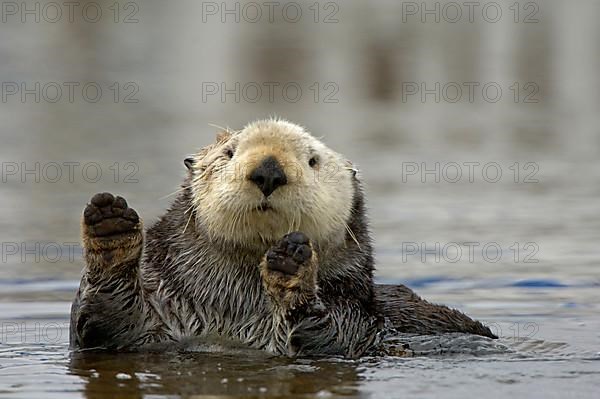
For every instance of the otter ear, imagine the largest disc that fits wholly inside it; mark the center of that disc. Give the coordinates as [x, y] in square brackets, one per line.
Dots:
[189, 162]
[352, 168]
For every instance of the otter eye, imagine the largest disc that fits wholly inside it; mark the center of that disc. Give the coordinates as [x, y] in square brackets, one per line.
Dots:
[312, 162]
[229, 153]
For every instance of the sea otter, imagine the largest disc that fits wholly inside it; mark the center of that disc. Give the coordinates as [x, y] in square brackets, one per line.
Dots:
[266, 244]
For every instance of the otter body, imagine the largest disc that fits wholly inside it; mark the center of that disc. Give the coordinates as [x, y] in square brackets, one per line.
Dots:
[266, 244]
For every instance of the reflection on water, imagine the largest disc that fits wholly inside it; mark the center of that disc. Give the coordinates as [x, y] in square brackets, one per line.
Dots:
[209, 374]
[49, 371]
[381, 90]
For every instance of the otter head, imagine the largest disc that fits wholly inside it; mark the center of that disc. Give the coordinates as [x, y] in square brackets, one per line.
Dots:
[253, 186]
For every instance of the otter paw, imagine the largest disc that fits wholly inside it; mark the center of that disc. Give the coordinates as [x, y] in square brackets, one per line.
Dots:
[289, 254]
[107, 215]
[289, 273]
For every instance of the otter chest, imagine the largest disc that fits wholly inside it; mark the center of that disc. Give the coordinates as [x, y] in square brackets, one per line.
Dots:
[226, 301]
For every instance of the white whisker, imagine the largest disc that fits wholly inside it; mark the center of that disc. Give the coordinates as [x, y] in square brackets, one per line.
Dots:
[188, 222]
[180, 189]
[352, 235]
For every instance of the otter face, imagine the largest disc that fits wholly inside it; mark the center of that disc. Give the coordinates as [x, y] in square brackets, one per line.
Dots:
[254, 186]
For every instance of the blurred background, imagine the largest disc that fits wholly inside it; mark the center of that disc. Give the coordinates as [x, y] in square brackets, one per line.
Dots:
[470, 123]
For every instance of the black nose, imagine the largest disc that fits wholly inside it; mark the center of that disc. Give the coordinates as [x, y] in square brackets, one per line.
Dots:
[268, 176]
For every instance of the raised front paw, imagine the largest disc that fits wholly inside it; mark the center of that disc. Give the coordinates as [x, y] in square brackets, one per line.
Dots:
[291, 253]
[289, 271]
[107, 215]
